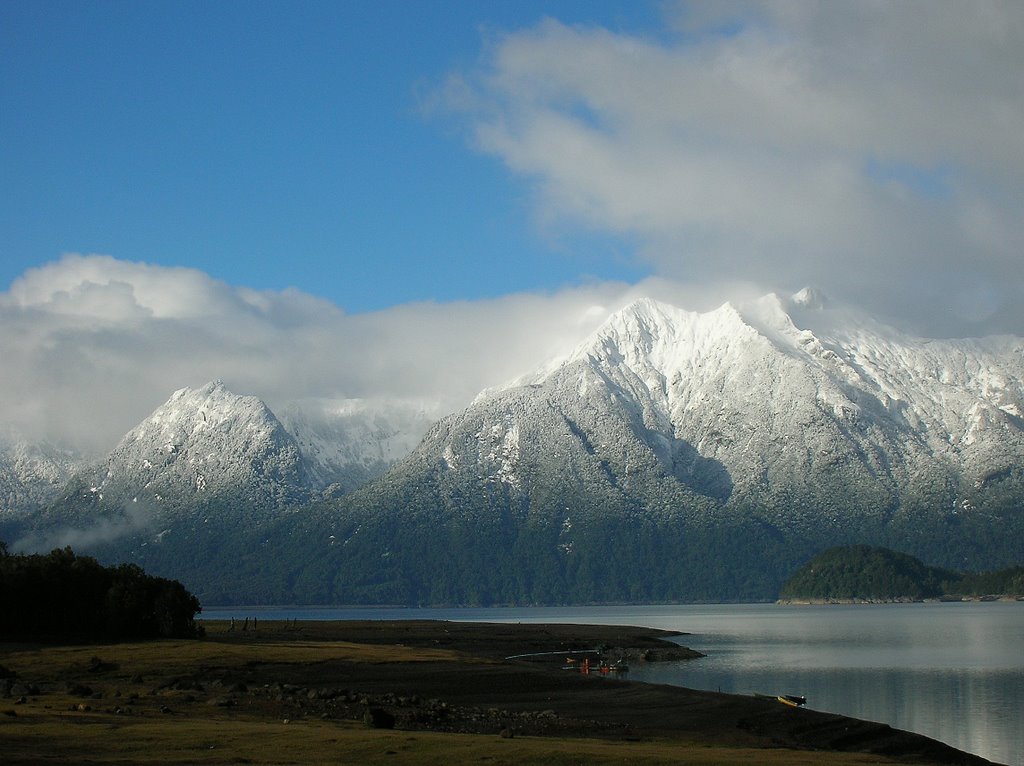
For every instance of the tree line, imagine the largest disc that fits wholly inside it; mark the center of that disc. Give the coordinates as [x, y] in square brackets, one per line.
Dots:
[853, 572]
[62, 596]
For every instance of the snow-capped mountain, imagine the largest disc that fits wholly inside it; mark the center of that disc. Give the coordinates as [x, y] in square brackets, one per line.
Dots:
[206, 441]
[784, 407]
[207, 470]
[672, 455]
[32, 473]
[208, 444]
[697, 455]
[206, 454]
[743, 405]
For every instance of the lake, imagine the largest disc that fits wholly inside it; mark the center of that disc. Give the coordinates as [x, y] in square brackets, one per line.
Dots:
[951, 671]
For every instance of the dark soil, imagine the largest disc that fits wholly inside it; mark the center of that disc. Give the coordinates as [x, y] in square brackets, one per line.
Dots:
[490, 693]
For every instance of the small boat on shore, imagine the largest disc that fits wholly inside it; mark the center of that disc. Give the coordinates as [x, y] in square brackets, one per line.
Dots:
[792, 700]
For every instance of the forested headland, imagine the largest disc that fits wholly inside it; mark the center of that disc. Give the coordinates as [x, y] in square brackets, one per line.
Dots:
[866, 573]
[65, 597]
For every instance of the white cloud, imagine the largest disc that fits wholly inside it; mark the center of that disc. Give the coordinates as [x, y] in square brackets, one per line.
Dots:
[875, 149]
[104, 288]
[91, 345]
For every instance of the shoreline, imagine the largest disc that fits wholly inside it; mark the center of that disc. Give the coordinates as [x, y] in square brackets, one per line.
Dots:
[388, 679]
[1004, 599]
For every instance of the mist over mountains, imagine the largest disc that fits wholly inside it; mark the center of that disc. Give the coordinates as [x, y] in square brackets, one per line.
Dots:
[672, 455]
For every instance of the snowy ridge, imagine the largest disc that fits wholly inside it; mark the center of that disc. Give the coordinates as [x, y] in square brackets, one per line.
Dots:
[32, 473]
[745, 405]
[709, 451]
[949, 393]
[213, 460]
[677, 455]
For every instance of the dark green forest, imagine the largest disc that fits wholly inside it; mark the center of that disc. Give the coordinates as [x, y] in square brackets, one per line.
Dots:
[863, 572]
[61, 596]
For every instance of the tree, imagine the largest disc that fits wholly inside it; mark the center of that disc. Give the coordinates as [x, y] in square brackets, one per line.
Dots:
[64, 596]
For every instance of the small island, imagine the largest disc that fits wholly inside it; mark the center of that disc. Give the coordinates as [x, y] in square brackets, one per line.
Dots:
[866, 574]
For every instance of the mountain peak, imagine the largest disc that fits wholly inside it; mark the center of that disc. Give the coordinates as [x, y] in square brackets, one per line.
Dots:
[645, 306]
[190, 412]
[202, 444]
[644, 311]
[214, 387]
[652, 335]
[809, 298]
[653, 312]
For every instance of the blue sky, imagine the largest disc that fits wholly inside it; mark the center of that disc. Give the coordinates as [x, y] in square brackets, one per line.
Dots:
[380, 153]
[417, 200]
[274, 144]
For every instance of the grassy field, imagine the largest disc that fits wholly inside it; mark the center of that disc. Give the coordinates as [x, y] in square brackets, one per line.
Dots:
[95, 739]
[297, 697]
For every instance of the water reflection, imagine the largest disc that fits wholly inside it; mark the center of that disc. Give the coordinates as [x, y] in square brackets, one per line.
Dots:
[951, 672]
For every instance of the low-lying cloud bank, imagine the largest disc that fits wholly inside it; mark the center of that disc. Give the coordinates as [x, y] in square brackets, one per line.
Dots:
[92, 344]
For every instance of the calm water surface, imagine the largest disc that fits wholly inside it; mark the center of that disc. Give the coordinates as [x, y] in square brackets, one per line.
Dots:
[954, 672]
